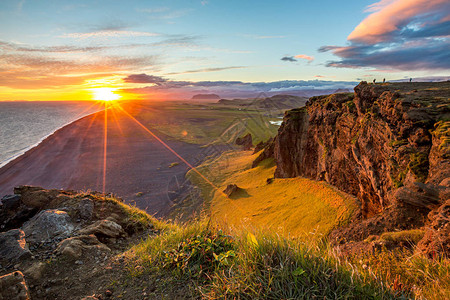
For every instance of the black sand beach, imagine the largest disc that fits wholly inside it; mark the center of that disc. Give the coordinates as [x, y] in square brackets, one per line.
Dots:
[138, 167]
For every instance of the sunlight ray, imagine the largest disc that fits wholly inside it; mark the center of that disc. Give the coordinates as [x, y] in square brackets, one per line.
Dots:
[105, 146]
[116, 119]
[170, 149]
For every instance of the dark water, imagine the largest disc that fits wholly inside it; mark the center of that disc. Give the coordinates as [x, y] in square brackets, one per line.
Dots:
[24, 124]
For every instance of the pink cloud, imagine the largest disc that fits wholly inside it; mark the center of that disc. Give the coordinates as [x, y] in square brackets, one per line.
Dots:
[389, 16]
[304, 56]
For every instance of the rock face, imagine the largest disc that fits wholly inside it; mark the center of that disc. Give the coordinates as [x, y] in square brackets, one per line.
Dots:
[437, 234]
[104, 228]
[246, 141]
[75, 247]
[13, 246]
[13, 287]
[46, 225]
[386, 144]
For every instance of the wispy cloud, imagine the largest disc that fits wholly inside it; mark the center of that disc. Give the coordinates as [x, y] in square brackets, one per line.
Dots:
[399, 35]
[297, 57]
[288, 58]
[48, 49]
[304, 56]
[108, 33]
[207, 70]
[262, 37]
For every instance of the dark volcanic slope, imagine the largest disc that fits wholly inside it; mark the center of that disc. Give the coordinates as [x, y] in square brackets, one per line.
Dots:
[72, 158]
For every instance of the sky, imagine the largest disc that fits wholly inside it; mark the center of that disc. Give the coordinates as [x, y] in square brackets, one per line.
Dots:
[162, 49]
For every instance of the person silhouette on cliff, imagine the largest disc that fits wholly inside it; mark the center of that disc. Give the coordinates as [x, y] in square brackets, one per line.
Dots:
[384, 80]
[374, 80]
[410, 79]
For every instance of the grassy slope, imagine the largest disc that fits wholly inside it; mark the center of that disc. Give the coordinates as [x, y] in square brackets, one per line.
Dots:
[203, 262]
[294, 206]
[205, 124]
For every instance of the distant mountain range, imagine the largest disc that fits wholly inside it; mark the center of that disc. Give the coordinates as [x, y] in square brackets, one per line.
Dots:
[205, 97]
[274, 102]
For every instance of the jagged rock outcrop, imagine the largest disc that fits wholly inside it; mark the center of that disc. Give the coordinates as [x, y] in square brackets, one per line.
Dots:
[386, 144]
[246, 141]
[261, 145]
[71, 230]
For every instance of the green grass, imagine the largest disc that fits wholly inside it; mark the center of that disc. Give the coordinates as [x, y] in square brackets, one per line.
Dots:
[134, 218]
[291, 206]
[269, 266]
[408, 236]
[206, 124]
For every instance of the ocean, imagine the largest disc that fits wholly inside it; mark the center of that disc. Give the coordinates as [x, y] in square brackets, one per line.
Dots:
[24, 124]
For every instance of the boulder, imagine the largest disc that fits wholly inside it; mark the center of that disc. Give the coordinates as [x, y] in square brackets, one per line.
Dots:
[246, 141]
[13, 213]
[417, 194]
[13, 246]
[76, 247]
[231, 189]
[10, 202]
[86, 209]
[48, 224]
[104, 228]
[33, 196]
[13, 287]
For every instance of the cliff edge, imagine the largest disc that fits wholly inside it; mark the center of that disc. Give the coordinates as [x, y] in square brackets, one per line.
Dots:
[386, 144]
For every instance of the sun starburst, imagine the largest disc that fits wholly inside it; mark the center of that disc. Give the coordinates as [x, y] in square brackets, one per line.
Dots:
[105, 94]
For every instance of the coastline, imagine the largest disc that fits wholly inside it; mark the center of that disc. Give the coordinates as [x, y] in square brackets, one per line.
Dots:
[138, 166]
[26, 149]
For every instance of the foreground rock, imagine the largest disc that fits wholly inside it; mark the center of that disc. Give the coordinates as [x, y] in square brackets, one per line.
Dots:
[104, 229]
[13, 246]
[47, 225]
[13, 287]
[78, 246]
[385, 144]
[65, 245]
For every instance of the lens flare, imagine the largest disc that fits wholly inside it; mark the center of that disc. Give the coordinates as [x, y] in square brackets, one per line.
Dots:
[105, 94]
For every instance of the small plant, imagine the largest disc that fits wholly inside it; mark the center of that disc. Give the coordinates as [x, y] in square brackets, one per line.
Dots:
[200, 255]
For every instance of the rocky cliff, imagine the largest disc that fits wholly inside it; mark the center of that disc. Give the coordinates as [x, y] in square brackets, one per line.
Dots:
[386, 144]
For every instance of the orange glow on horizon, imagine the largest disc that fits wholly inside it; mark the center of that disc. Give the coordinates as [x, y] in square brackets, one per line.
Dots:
[105, 94]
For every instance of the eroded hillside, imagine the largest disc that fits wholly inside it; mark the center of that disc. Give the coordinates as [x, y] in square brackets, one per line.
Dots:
[386, 144]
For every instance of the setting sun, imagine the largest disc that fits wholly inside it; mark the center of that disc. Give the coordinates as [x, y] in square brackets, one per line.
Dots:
[105, 94]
